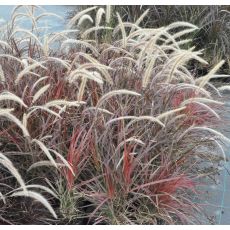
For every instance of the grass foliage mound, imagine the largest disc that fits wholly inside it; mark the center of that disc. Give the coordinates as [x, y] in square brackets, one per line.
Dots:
[104, 125]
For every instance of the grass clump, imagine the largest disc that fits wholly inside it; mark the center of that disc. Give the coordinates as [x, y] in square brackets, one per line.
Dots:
[107, 130]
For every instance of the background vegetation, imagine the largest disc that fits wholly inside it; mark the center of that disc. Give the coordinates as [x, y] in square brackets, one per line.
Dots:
[212, 21]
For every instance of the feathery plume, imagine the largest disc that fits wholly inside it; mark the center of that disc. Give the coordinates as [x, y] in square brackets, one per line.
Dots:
[38, 81]
[43, 163]
[79, 42]
[27, 32]
[84, 18]
[8, 164]
[120, 118]
[79, 15]
[99, 109]
[140, 19]
[180, 24]
[38, 186]
[108, 13]
[203, 80]
[2, 197]
[99, 15]
[32, 109]
[3, 43]
[2, 75]
[148, 118]
[65, 162]
[81, 89]
[12, 97]
[166, 114]
[114, 93]
[225, 87]
[6, 113]
[40, 92]
[201, 99]
[59, 60]
[148, 72]
[64, 102]
[28, 69]
[37, 197]
[45, 150]
[124, 38]
[11, 57]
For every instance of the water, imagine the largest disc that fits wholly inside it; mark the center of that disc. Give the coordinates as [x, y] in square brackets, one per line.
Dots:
[55, 24]
[217, 197]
